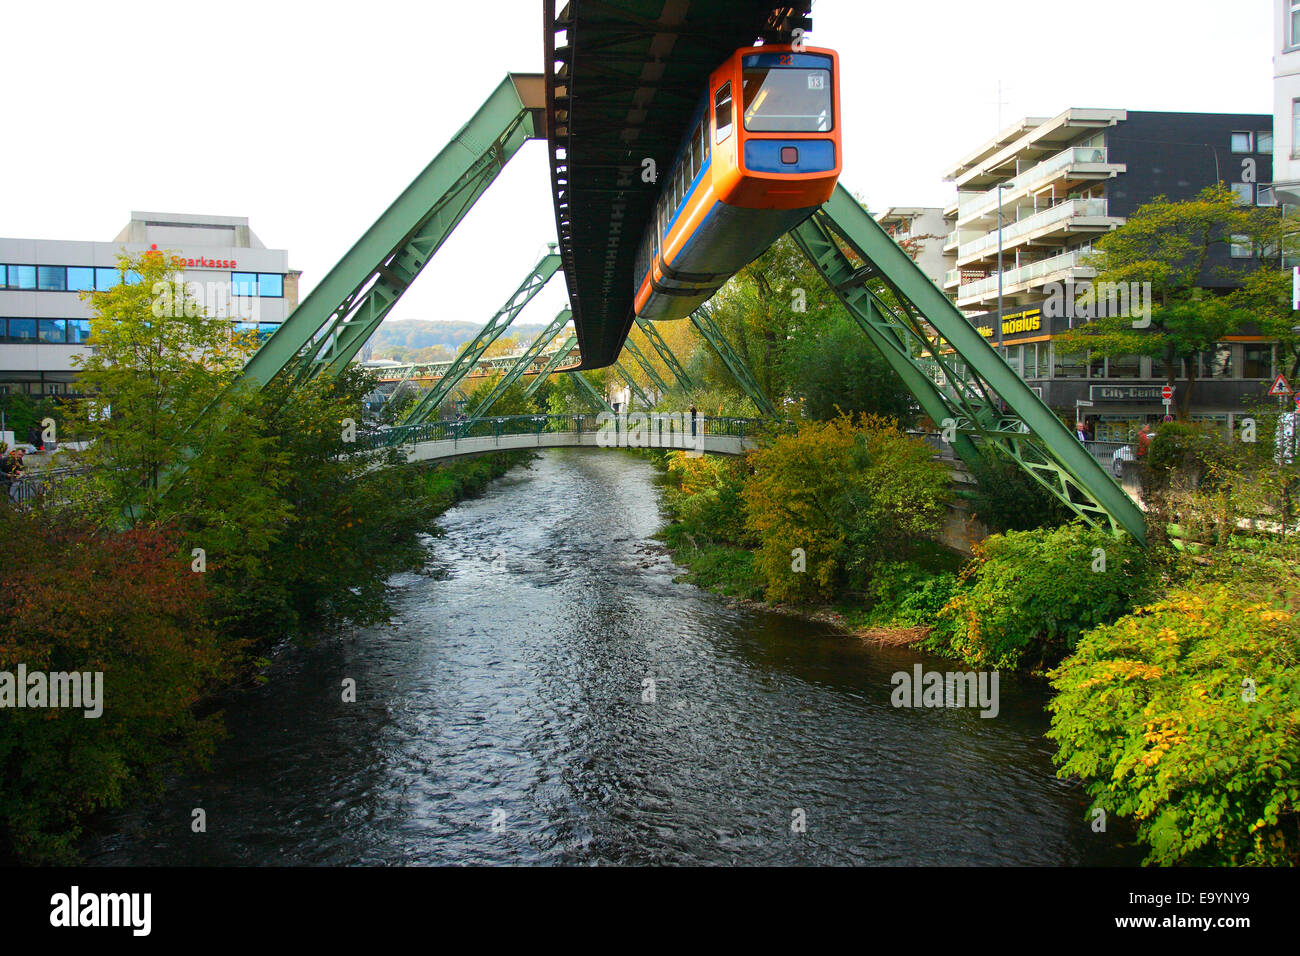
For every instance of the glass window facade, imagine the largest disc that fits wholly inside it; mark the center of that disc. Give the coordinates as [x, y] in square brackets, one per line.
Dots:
[81, 278]
[78, 331]
[53, 331]
[243, 283]
[1242, 142]
[20, 331]
[1124, 366]
[1257, 361]
[106, 279]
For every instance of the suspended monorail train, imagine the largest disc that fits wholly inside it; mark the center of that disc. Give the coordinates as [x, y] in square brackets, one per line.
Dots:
[742, 177]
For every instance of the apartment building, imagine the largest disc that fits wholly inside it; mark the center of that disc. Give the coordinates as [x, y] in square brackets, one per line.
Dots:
[1286, 101]
[1058, 184]
[921, 230]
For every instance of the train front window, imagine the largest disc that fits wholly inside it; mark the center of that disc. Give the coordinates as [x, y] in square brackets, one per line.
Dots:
[787, 100]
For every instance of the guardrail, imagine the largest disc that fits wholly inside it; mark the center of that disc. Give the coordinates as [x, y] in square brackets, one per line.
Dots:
[35, 486]
[538, 424]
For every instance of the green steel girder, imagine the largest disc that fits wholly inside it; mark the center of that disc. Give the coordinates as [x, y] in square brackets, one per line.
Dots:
[953, 372]
[465, 361]
[562, 353]
[651, 373]
[704, 324]
[523, 363]
[632, 385]
[587, 387]
[661, 347]
[341, 313]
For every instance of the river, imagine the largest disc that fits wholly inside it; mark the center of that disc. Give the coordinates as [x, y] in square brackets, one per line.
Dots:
[503, 717]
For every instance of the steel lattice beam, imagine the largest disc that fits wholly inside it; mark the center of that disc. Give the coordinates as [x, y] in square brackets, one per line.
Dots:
[651, 373]
[433, 398]
[632, 385]
[556, 361]
[661, 347]
[587, 387]
[341, 313]
[704, 324]
[523, 363]
[948, 366]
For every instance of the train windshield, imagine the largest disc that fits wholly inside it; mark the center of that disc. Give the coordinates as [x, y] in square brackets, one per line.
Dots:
[787, 100]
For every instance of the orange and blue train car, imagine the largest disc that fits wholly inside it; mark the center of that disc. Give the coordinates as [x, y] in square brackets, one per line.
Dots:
[763, 152]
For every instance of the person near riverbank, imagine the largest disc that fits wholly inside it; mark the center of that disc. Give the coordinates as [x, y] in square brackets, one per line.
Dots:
[11, 469]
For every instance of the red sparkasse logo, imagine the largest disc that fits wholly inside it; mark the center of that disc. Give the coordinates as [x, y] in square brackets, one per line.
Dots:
[198, 262]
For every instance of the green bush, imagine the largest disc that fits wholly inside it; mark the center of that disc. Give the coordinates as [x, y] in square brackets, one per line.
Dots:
[1028, 595]
[1006, 498]
[1185, 716]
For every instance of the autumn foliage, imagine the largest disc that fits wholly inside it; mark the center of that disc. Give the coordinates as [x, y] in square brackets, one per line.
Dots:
[122, 603]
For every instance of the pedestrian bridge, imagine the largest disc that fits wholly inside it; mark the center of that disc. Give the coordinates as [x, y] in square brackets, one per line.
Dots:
[443, 440]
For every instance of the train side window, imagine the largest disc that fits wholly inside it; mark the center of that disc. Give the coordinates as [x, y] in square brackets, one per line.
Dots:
[722, 111]
[695, 156]
[704, 141]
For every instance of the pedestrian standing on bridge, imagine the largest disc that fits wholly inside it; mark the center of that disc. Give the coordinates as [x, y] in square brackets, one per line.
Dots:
[1081, 431]
[693, 413]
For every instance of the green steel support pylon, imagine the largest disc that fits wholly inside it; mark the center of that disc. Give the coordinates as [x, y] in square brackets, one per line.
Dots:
[665, 353]
[651, 373]
[632, 385]
[341, 313]
[556, 361]
[954, 373]
[523, 363]
[591, 391]
[438, 392]
[704, 324]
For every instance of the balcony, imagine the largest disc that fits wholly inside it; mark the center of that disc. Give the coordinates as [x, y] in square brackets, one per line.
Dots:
[1027, 276]
[1083, 162]
[1089, 214]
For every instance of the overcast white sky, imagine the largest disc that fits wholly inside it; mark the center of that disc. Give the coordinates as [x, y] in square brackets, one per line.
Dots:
[311, 117]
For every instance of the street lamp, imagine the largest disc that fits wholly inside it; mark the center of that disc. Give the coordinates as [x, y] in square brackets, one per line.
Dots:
[1001, 186]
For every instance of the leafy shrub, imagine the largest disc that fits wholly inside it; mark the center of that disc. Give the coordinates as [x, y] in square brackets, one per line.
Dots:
[845, 493]
[705, 498]
[903, 593]
[1006, 498]
[1152, 715]
[122, 603]
[1032, 593]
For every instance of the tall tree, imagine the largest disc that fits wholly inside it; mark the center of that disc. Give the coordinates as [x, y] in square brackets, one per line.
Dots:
[1170, 246]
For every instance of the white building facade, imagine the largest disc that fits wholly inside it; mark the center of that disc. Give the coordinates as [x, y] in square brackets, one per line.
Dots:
[44, 322]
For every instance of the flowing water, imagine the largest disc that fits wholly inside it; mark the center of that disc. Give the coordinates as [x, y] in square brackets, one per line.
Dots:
[504, 717]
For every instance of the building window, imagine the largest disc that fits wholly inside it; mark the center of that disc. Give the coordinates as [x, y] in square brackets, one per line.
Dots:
[1217, 362]
[4, 277]
[106, 279]
[78, 331]
[1293, 24]
[1264, 196]
[51, 278]
[1264, 142]
[80, 278]
[1240, 247]
[1241, 142]
[271, 284]
[1244, 192]
[1257, 361]
[1124, 366]
[53, 331]
[21, 332]
[22, 277]
[243, 283]
[1072, 365]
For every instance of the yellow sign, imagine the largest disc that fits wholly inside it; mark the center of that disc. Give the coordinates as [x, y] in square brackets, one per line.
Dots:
[1031, 320]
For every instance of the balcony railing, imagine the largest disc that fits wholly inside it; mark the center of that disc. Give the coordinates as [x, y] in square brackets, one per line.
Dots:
[1071, 209]
[980, 203]
[1026, 273]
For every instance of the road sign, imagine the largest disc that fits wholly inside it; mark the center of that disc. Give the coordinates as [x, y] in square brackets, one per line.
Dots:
[1280, 386]
[1083, 404]
[1167, 393]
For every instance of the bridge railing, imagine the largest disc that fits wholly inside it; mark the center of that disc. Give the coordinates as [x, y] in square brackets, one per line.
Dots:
[500, 426]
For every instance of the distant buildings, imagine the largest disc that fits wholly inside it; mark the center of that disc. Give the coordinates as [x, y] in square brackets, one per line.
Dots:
[1063, 182]
[1286, 101]
[44, 322]
[922, 231]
